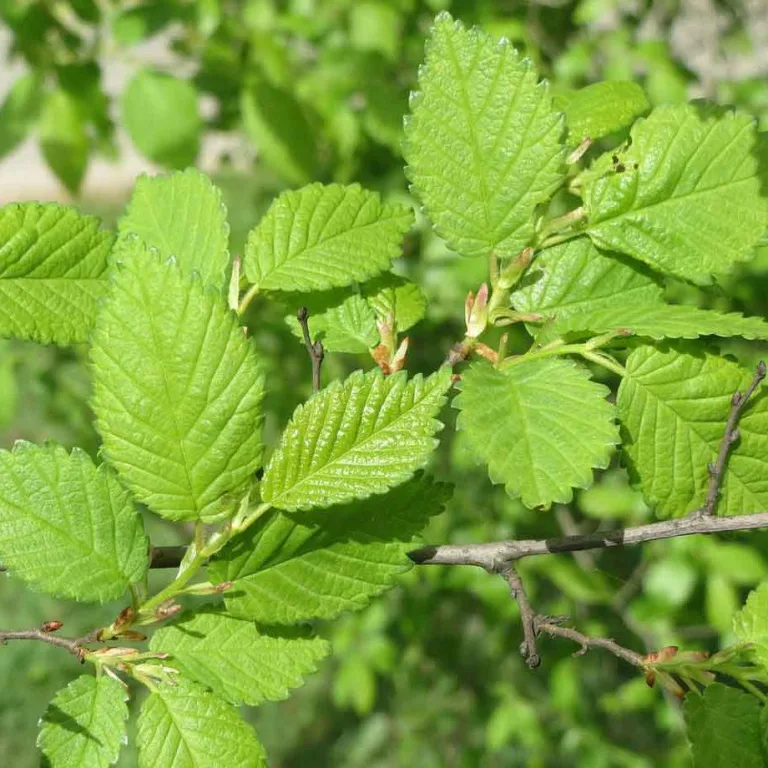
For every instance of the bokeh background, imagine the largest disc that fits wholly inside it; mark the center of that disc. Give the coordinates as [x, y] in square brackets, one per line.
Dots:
[269, 94]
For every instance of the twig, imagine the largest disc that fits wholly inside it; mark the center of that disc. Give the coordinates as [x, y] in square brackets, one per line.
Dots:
[72, 644]
[493, 555]
[552, 626]
[314, 348]
[527, 616]
[730, 436]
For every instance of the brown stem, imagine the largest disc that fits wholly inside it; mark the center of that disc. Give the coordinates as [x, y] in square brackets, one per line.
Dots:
[314, 348]
[72, 644]
[527, 616]
[730, 436]
[552, 626]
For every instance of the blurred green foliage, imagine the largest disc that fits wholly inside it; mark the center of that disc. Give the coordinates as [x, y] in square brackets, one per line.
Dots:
[430, 675]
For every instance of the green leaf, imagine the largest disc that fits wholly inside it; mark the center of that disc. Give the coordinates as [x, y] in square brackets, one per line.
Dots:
[177, 389]
[298, 567]
[84, 724]
[674, 405]
[724, 728]
[664, 321]
[750, 624]
[482, 142]
[603, 108]
[688, 201]
[393, 295]
[321, 237]
[574, 280]
[20, 111]
[282, 132]
[237, 660]
[341, 319]
[367, 434]
[63, 139]
[182, 215]
[53, 261]
[185, 726]
[67, 527]
[161, 116]
[541, 426]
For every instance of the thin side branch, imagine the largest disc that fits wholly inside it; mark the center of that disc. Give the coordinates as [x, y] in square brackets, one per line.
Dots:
[72, 644]
[553, 627]
[730, 436]
[314, 348]
[527, 616]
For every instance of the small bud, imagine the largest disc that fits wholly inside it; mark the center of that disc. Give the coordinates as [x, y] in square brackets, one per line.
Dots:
[167, 609]
[476, 312]
[126, 616]
[302, 314]
[51, 626]
[487, 352]
[398, 361]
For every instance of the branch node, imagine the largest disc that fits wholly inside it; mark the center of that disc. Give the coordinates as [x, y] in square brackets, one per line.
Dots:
[314, 348]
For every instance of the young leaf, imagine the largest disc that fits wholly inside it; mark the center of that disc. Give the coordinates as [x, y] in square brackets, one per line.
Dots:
[237, 660]
[750, 624]
[392, 295]
[19, 111]
[541, 426]
[182, 215]
[185, 726]
[84, 724]
[278, 126]
[688, 199]
[52, 272]
[574, 279]
[321, 237]
[674, 405]
[341, 319]
[177, 389]
[63, 139]
[664, 321]
[482, 142]
[161, 116]
[603, 108]
[298, 567]
[724, 728]
[356, 438]
[67, 527]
